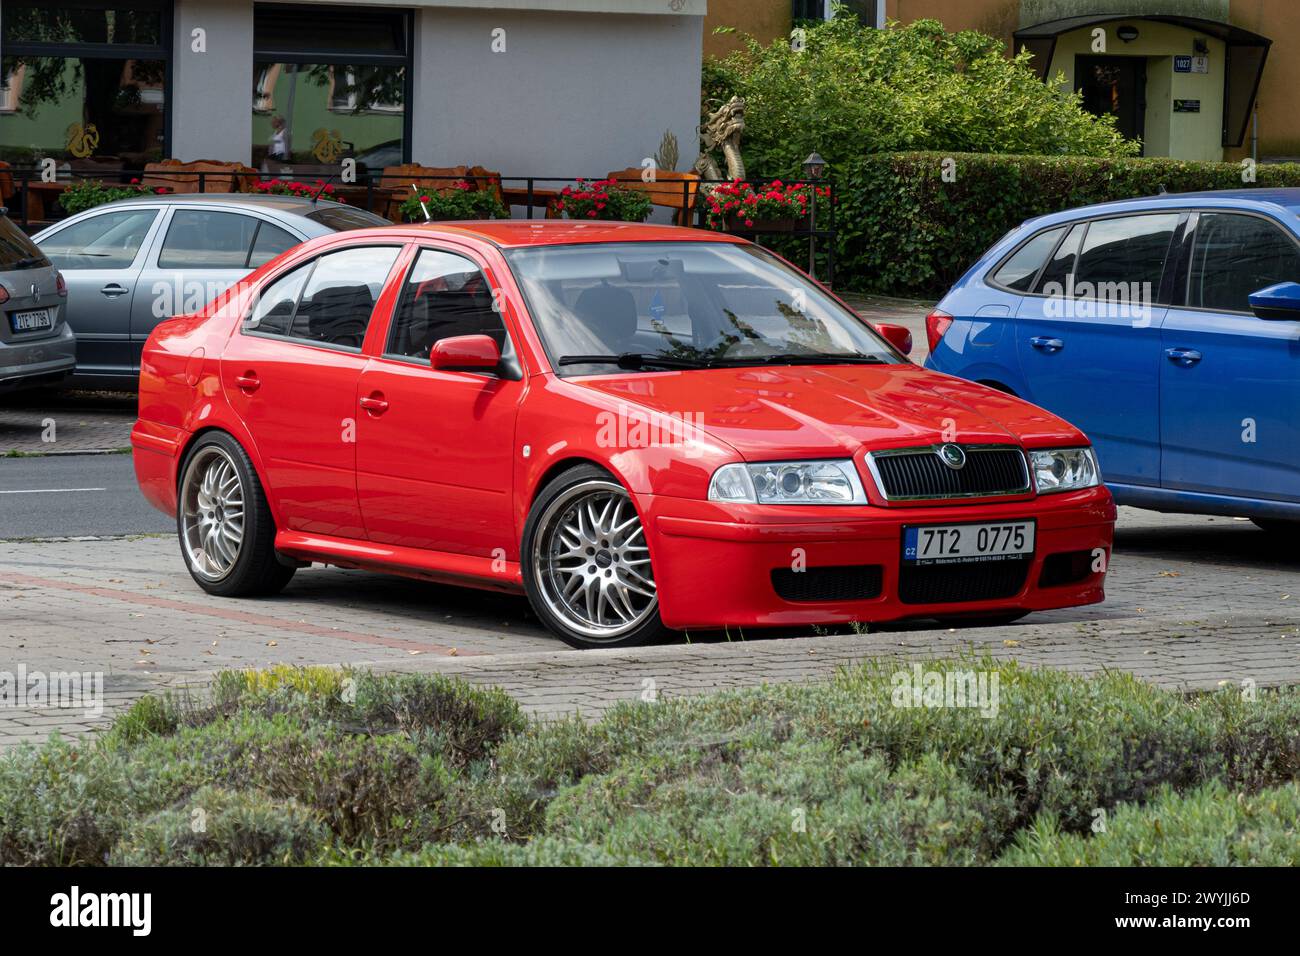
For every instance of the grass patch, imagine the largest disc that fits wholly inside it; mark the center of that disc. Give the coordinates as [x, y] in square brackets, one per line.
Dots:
[316, 765]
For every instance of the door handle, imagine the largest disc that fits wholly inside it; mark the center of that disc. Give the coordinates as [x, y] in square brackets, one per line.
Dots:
[1183, 357]
[374, 403]
[248, 382]
[113, 290]
[1045, 344]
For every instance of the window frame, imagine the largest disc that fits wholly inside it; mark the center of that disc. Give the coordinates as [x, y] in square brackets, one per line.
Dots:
[178, 209]
[1183, 281]
[141, 254]
[310, 264]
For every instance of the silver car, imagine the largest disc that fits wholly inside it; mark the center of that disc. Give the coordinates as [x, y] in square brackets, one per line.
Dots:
[36, 345]
[132, 263]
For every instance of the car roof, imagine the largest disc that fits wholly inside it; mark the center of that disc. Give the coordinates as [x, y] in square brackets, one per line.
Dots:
[513, 233]
[295, 204]
[1280, 199]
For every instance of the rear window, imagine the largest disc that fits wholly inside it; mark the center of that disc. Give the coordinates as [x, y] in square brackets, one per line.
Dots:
[16, 250]
[1020, 269]
[343, 218]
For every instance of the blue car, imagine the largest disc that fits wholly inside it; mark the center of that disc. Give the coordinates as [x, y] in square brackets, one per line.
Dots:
[1167, 328]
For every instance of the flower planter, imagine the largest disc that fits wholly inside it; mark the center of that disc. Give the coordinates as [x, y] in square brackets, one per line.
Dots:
[736, 223]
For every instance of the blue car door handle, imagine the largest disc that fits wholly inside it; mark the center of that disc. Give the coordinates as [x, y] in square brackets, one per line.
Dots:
[1184, 357]
[1044, 344]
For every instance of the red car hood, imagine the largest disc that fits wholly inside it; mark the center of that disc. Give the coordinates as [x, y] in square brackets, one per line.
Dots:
[804, 411]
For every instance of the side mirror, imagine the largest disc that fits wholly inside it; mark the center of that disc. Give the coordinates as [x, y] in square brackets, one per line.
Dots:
[896, 335]
[1278, 301]
[466, 353]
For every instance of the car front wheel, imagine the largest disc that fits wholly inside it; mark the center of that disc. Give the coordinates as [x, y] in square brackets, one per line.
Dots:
[226, 531]
[587, 565]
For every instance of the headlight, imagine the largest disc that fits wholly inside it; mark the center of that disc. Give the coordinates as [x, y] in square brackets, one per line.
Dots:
[1064, 469]
[830, 482]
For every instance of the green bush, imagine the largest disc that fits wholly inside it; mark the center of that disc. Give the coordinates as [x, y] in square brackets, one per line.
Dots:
[340, 767]
[903, 230]
[1208, 826]
[217, 827]
[853, 90]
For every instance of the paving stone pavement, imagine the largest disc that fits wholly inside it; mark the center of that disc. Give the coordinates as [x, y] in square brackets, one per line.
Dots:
[66, 423]
[1191, 602]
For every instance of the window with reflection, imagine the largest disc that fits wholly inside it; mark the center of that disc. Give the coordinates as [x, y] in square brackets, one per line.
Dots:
[84, 83]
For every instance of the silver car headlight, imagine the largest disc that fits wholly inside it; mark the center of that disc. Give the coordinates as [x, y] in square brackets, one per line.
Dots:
[832, 481]
[1064, 469]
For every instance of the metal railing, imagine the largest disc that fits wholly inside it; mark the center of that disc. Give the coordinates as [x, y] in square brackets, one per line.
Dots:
[34, 204]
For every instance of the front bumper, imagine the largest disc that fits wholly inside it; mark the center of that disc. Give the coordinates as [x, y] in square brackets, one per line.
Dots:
[713, 562]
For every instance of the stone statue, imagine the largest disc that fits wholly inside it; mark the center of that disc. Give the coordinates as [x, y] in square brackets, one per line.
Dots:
[722, 131]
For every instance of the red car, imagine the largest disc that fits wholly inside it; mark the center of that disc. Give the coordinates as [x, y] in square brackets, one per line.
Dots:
[644, 428]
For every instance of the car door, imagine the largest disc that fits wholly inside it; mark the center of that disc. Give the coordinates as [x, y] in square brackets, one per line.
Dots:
[290, 372]
[101, 256]
[204, 250]
[1088, 338]
[435, 448]
[1230, 381]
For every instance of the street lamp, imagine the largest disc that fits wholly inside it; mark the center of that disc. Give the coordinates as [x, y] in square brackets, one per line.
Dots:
[813, 169]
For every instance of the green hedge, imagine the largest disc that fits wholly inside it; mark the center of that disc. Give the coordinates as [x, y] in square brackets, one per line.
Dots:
[339, 767]
[904, 231]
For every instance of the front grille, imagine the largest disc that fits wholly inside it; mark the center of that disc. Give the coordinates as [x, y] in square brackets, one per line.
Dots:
[950, 583]
[920, 473]
[846, 583]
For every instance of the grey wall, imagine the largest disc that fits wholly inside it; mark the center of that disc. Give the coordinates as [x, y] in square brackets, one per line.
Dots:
[211, 97]
[572, 95]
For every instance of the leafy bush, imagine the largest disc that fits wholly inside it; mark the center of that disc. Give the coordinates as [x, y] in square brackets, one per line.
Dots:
[853, 90]
[903, 230]
[88, 193]
[604, 199]
[342, 767]
[218, 827]
[461, 201]
[1208, 826]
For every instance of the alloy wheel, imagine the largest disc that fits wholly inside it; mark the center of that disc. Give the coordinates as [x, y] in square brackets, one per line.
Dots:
[212, 513]
[592, 562]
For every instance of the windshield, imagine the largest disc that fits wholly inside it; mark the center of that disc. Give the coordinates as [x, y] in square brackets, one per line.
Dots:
[341, 218]
[642, 305]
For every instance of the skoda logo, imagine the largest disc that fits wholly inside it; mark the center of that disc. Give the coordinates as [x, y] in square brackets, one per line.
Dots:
[952, 455]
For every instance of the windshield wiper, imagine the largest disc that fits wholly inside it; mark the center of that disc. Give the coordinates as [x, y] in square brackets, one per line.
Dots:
[633, 361]
[805, 358]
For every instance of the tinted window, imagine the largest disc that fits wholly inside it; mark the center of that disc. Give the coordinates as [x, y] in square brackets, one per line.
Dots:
[341, 218]
[199, 239]
[1234, 256]
[273, 311]
[107, 241]
[16, 250]
[1018, 272]
[1129, 250]
[270, 242]
[340, 295]
[1061, 264]
[444, 295]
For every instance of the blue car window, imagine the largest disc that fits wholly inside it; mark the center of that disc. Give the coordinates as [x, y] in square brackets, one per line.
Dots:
[1235, 255]
[1021, 267]
[1059, 267]
[1130, 250]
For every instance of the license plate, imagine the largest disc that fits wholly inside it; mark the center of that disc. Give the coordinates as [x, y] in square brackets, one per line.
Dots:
[967, 543]
[32, 320]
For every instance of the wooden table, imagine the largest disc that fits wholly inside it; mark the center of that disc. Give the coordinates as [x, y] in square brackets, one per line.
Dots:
[356, 195]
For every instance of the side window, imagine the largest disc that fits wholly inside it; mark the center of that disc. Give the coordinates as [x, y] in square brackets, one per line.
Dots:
[1018, 271]
[1130, 252]
[1059, 267]
[337, 301]
[1235, 255]
[270, 242]
[201, 239]
[107, 241]
[273, 311]
[444, 295]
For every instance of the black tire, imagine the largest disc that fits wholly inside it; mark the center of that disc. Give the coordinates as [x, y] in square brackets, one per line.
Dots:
[1277, 526]
[541, 592]
[255, 571]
